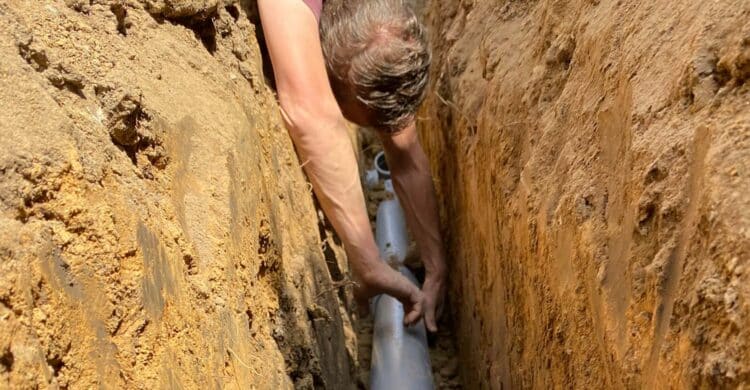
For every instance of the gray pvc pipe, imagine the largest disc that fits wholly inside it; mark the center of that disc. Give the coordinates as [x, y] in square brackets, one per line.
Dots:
[400, 359]
[390, 230]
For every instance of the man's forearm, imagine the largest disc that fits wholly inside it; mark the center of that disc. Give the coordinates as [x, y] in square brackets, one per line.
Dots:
[329, 161]
[413, 183]
[417, 194]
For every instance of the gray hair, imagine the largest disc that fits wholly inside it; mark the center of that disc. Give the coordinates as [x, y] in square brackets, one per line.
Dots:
[376, 52]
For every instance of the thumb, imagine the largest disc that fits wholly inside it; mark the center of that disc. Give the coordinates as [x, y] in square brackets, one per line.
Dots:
[413, 310]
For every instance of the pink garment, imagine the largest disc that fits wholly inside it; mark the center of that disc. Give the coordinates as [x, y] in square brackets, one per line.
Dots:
[316, 6]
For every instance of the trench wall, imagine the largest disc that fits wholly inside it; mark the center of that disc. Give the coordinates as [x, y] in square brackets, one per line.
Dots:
[592, 159]
[156, 230]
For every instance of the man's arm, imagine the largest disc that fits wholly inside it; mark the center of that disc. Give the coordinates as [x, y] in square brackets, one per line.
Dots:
[410, 172]
[318, 130]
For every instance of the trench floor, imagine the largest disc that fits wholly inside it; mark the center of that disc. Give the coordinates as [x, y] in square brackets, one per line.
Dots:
[442, 355]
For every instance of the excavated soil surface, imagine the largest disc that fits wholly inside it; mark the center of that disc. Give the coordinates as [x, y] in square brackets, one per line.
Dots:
[157, 230]
[593, 160]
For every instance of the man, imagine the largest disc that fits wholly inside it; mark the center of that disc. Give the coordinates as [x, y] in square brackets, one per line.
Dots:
[374, 74]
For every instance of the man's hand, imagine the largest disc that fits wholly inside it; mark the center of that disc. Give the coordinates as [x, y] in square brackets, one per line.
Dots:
[382, 279]
[434, 292]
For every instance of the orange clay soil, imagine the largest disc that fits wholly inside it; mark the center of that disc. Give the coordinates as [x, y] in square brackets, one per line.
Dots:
[156, 228]
[593, 160]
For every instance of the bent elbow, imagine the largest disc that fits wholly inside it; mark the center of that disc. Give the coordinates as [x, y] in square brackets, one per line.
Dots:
[306, 116]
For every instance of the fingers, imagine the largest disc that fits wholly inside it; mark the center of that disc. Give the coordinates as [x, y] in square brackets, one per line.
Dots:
[429, 319]
[414, 308]
[391, 282]
[404, 290]
[412, 316]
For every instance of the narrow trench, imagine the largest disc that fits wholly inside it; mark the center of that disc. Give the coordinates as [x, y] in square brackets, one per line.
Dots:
[443, 354]
[442, 347]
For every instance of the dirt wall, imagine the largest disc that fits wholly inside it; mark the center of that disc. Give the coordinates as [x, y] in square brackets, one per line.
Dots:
[156, 227]
[592, 160]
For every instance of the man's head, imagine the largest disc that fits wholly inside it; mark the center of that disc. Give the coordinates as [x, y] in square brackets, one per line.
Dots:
[377, 56]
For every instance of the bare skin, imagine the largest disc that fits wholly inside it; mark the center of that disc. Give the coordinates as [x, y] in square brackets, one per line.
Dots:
[318, 129]
[410, 171]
